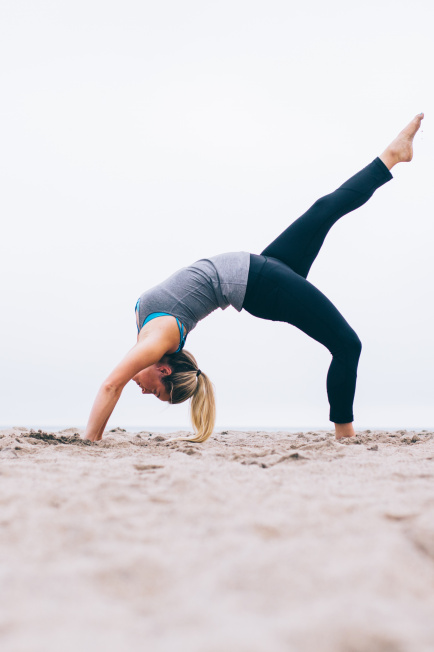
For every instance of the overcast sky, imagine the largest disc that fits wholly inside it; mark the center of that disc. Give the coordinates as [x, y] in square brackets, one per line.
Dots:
[138, 136]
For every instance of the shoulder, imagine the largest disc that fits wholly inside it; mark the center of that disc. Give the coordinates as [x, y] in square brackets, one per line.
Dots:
[163, 330]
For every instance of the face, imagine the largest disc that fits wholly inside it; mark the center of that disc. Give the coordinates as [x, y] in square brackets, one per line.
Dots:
[149, 380]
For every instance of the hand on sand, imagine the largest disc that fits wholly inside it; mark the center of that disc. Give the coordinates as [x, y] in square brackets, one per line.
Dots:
[91, 437]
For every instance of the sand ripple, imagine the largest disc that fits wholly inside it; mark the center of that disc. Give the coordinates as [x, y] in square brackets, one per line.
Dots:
[252, 541]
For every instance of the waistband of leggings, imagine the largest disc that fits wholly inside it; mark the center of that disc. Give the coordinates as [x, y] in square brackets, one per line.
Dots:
[257, 263]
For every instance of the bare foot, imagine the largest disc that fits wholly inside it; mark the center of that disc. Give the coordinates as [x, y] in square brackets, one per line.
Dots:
[400, 150]
[344, 430]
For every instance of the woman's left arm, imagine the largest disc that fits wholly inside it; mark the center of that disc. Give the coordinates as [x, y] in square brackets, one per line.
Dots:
[145, 353]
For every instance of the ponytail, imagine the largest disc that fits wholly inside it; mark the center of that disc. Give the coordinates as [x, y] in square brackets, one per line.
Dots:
[188, 381]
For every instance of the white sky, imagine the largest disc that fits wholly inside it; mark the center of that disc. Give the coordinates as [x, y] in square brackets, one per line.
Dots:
[139, 136]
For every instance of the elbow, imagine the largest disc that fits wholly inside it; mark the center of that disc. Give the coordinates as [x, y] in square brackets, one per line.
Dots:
[112, 387]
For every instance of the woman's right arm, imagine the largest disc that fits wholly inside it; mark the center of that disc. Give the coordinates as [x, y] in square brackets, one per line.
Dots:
[145, 353]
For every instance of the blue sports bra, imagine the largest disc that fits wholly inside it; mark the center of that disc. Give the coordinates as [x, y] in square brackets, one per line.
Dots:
[153, 315]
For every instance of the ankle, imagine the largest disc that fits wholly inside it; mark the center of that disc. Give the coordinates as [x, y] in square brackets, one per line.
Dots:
[389, 158]
[344, 430]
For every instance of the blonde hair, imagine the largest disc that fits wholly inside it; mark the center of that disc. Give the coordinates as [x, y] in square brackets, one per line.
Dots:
[184, 383]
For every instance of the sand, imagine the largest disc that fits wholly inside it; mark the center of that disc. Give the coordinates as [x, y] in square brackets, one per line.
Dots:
[251, 542]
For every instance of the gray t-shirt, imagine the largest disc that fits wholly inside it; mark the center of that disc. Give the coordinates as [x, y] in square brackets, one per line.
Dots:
[193, 292]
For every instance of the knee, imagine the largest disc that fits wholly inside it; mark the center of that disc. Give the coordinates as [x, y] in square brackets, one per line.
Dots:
[353, 345]
[349, 346]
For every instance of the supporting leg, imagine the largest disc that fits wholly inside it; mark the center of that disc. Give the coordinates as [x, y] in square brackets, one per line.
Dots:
[279, 294]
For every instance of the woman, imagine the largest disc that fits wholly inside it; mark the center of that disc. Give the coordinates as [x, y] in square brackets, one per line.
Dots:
[271, 286]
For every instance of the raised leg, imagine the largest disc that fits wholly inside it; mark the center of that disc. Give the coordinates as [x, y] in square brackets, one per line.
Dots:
[277, 288]
[299, 244]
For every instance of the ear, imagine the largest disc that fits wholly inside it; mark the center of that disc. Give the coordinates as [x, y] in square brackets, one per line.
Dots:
[165, 369]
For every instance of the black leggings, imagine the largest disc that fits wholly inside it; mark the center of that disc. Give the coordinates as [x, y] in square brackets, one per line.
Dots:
[277, 288]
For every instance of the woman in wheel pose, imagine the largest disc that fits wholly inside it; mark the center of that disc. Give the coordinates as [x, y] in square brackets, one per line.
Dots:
[272, 286]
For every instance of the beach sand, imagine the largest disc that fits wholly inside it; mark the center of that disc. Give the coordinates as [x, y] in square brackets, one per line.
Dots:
[251, 542]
